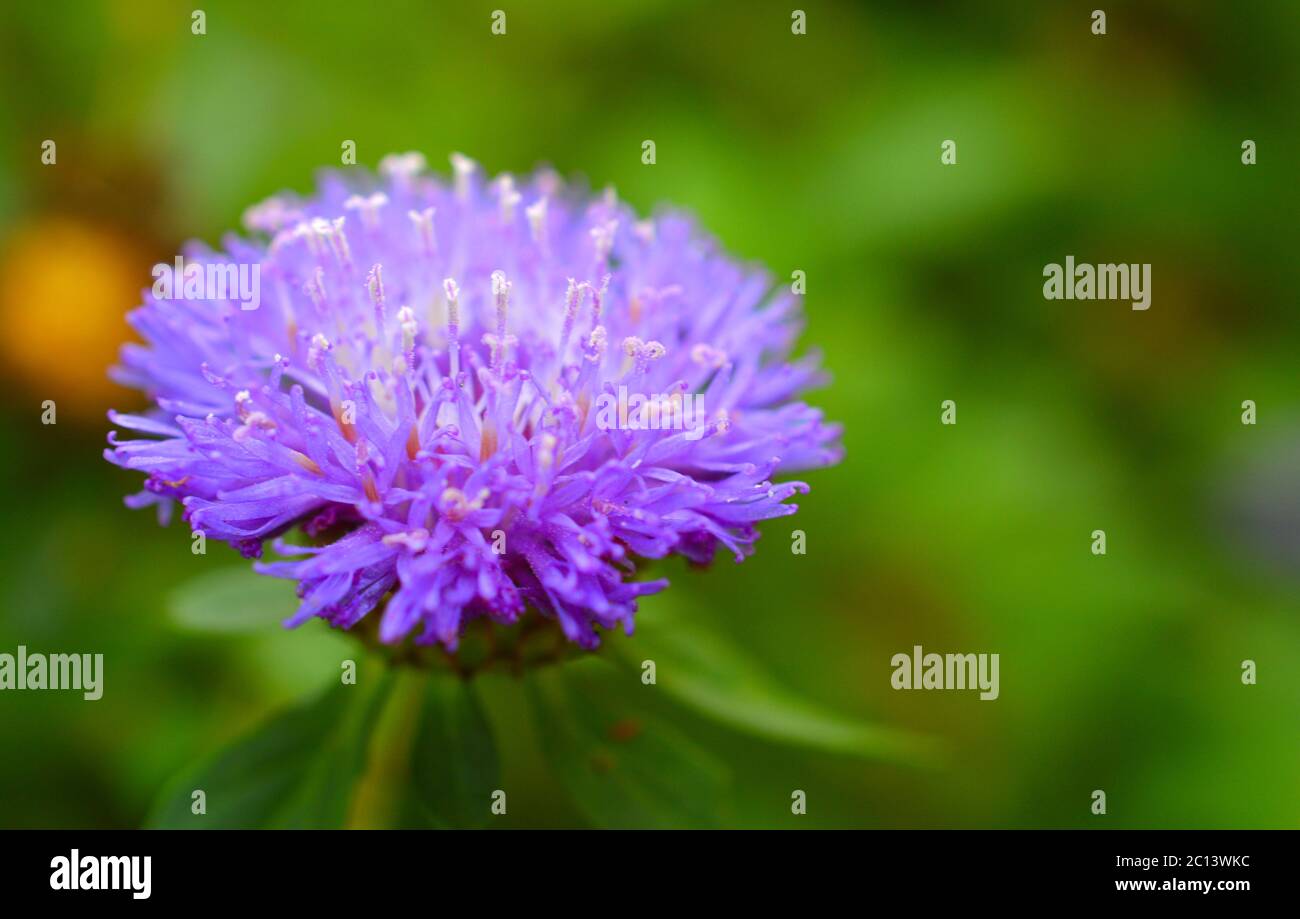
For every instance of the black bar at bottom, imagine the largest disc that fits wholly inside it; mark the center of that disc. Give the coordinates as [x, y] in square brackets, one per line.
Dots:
[332, 869]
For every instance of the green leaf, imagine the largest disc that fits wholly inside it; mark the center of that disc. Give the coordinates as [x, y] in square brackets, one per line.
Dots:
[296, 770]
[623, 766]
[232, 600]
[710, 675]
[454, 766]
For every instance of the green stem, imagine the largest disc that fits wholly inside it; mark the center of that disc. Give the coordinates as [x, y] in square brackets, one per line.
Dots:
[377, 800]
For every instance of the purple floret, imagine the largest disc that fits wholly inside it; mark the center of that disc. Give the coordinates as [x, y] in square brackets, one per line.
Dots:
[453, 437]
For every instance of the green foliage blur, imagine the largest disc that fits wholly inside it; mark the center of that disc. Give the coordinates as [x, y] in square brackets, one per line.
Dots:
[818, 153]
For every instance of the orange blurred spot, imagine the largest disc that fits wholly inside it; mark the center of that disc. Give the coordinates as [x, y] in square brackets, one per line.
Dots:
[65, 286]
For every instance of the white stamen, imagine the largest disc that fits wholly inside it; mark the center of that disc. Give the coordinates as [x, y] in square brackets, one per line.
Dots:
[536, 214]
[572, 304]
[406, 321]
[339, 242]
[453, 303]
[304, 231]
[271, 215]
[369, 208]
[453, 323]
[402, 166]
[375, 287]
[319, 345]
[416, 540]
[510, 198]
[596, 343]
[455, 505]
[423, 221]
[500, 288]
[708, 356]
[546, 451]
[463, 167]
[315, 289]
[282, 239]
[602, 237]
[256, 421]
[501, 294]
[597, 298]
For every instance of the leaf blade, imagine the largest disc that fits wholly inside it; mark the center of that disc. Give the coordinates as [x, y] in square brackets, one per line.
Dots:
[298, 769]
[454, 764]
[623, 766]
[708, 674]
[231, 601]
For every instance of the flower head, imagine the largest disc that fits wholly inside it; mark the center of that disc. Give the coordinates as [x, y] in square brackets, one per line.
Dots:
[458, 393]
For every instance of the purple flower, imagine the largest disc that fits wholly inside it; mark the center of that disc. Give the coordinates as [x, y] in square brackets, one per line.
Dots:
[468, 397]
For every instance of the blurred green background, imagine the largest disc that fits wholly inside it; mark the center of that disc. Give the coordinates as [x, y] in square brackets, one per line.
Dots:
[817, 152]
